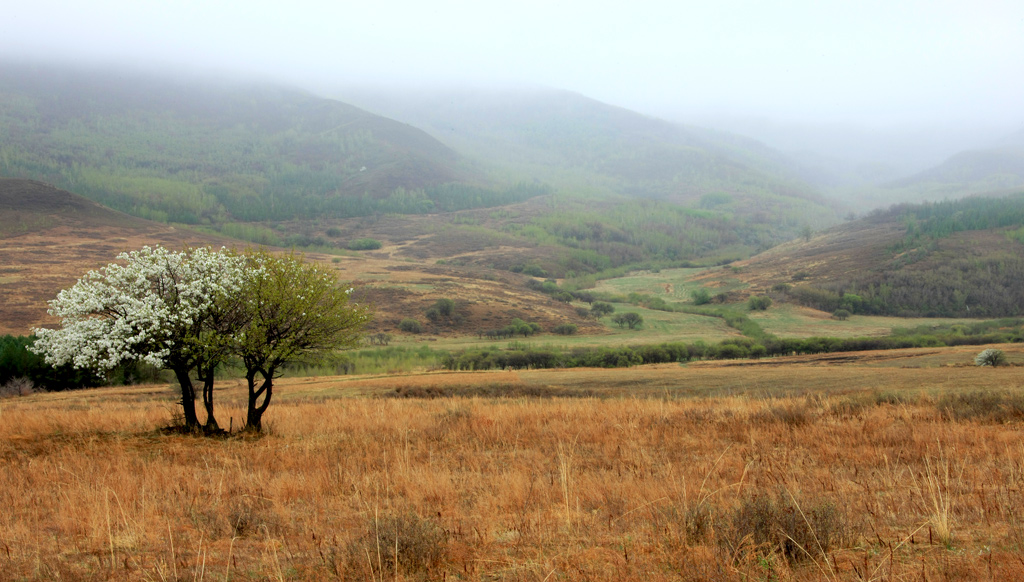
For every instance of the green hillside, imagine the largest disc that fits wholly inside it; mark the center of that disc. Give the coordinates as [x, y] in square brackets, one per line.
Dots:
[574, 142]
[201, 151]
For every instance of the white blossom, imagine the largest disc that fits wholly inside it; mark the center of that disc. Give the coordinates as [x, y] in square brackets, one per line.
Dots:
[142, 309]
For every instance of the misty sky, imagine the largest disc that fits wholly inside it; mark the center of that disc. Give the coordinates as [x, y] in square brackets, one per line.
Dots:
[866, 62]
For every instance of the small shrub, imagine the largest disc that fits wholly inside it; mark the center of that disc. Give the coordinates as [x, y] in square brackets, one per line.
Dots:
[409, 325]
[759, 302]
[841, 314]
[700, 296]
[601, 308]
[445, 306]
[417, 546]
[990, 357]
[534, 271]
[364, 244]
[333, 232]
[20, 386]
[566, 329]
[764, 525]
[801, 276]
[583, 312]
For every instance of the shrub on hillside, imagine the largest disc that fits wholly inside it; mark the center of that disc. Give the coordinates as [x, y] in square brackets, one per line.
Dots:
[409, 325]
[566, 329]
[700, 296]
[759, 302]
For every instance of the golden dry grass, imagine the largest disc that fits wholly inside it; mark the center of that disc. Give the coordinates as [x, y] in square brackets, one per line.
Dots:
[674, 485]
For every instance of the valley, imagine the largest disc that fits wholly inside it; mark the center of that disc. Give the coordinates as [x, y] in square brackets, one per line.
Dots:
[797, 395]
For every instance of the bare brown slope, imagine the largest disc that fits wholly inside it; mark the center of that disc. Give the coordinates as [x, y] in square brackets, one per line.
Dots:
[841, 253]
[50, 237]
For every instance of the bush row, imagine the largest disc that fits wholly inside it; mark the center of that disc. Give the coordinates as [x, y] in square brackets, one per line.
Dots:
[621, 357]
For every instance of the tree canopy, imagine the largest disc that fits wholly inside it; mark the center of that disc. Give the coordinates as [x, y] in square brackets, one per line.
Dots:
[193, 310]
[296, 311]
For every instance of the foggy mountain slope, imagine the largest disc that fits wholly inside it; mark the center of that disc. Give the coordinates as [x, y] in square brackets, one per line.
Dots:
[972, 171]
[200, 150]
[561, 136]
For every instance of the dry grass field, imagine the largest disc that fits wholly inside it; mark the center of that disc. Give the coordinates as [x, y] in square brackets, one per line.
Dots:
[903, 465]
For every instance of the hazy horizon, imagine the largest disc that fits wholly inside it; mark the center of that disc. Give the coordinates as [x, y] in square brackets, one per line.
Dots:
[872, 64]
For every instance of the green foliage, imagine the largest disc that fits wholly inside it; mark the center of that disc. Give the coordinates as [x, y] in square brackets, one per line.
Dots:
[211, 154]
[409, 325]
[295, 312]
[934, 220]
[445, 306]
[601, 308]
[363, 244]
[841, 314]
[566, 329]
[700, 296]
[759, 302]
[630, 318]
[524, 328]
[17, 362]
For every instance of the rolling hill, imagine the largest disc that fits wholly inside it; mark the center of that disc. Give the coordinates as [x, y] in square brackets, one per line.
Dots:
[199, 151]
[960, 258]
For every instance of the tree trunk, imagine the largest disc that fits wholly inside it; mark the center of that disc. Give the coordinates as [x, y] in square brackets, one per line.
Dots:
[188, 399]
[254, 416]
[211, 421]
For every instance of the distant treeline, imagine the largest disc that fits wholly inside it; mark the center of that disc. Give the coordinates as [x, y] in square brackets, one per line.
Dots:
[618, 357]
[935, 220]
[18, 363]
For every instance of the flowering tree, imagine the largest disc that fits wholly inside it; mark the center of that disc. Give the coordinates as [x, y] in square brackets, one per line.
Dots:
[296, 311]
[174, 310]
